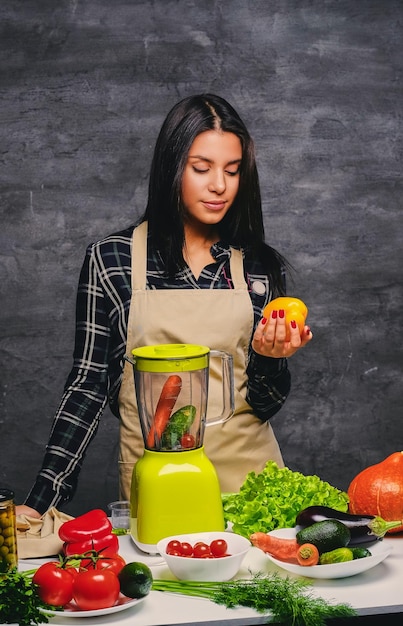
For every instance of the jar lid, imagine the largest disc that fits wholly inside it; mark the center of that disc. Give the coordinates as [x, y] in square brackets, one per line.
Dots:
[6, 494]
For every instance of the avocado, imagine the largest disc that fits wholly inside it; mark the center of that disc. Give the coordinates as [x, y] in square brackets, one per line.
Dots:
[326, 535]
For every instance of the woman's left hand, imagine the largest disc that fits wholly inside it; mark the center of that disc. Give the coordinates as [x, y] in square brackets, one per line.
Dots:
[23, 509]
[269, 338]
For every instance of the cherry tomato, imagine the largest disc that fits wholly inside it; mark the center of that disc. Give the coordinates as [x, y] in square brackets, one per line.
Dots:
[173, 545]
[220, 556]
[208, 555]
[54, 584]
[218, 547]
[186, 549]
[188, 441]
[201, 550]
[96, 589]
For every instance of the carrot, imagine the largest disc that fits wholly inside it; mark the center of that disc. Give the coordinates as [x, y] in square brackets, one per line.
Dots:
[281, 549]
[307, 554]
[169, 395]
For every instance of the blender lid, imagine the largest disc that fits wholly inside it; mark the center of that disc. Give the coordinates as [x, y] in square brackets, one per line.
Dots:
[171, 357]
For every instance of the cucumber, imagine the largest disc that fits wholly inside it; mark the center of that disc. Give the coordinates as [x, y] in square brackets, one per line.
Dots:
[360, 553]
[179, 424]
[326, 535]
[339, 555]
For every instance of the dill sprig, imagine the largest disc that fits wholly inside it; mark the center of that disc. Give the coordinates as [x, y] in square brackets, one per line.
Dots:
[285, 599]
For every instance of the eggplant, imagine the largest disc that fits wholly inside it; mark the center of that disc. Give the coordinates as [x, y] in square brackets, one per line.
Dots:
[363, 528]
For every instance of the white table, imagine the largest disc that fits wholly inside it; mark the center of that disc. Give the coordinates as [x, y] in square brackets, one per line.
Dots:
[375, 592]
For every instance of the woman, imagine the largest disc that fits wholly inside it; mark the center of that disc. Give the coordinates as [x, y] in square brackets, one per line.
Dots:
[194, 270]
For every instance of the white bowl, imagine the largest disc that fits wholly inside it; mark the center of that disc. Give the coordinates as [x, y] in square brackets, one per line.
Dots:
[378, 551]
[202, 569]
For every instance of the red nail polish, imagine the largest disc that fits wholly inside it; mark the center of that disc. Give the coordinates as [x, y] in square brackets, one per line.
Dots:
[273, 315]
[308, 331]
[281, 313]
[264, 320]
[293, 324]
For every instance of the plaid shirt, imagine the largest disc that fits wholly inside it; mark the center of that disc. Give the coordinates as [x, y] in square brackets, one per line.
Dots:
[103, 302]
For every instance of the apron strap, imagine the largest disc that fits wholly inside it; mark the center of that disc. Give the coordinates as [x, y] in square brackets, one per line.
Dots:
[139, 257]
[236, 267]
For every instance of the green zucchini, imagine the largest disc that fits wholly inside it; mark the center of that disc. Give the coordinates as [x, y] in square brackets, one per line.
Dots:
[339, 555]
[360, 553]
[326, 535]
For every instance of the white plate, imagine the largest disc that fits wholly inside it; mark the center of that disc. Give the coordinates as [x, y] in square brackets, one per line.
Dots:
[335, 570]
[73, 611]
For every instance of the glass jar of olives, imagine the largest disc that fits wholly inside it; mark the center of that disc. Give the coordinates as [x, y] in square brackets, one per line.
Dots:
[8, 531]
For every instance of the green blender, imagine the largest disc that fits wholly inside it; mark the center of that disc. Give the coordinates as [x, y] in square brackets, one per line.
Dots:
[175, 488]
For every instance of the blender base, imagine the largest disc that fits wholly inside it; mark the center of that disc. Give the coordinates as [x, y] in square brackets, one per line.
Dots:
[148, 548]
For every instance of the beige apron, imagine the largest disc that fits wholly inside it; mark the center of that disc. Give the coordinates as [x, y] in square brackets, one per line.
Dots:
[221, 320]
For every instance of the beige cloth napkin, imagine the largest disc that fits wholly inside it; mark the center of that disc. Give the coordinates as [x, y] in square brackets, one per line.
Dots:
[39, 537]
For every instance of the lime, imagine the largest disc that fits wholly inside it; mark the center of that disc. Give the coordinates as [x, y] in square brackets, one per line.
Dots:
[135, 580]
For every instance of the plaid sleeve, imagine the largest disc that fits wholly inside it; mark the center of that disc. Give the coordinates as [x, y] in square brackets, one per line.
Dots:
[268, 385]
[85, 395]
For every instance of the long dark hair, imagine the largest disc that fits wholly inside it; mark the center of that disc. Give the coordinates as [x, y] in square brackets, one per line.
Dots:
[243, 225]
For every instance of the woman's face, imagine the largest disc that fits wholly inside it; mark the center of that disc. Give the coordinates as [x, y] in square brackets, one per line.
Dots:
[210, 180]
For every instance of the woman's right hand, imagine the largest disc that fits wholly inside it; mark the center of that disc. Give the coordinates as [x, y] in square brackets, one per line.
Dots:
[23, 509]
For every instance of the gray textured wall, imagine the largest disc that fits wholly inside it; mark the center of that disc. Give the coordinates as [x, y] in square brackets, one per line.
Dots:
[85, 85]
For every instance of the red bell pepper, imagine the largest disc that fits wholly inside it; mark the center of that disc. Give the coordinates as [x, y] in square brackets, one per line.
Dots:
[109, 542]
[90, 526]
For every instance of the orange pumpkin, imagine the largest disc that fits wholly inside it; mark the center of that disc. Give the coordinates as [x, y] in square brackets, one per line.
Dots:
[378, 490]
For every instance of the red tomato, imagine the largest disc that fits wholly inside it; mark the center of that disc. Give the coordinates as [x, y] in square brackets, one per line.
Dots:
[54, 584]
[188, 441]
[73, 571]
[201, 550]
[96, 589]
[88, 563]
[186, 549]
[173, 546]
[114, 562]
[218, 547]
